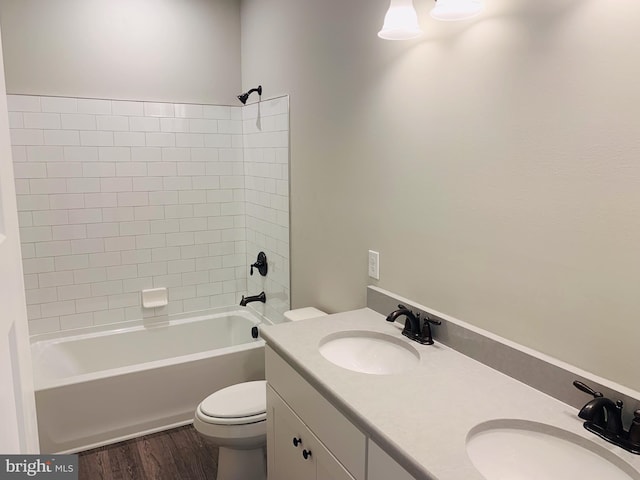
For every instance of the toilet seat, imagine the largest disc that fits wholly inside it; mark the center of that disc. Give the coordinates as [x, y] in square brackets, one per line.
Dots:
[239, 404]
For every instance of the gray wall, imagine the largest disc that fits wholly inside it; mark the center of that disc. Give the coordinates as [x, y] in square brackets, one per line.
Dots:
[158, 50]
[492, 163]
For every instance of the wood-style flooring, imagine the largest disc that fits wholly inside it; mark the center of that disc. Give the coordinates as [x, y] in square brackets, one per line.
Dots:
[178, 454]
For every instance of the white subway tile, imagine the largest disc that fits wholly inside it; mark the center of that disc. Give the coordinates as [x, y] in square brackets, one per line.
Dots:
[217, 112]
[23, 186]
[58, 308]
[194, 251]
[207, 289]
[165, 226]
[23, 103]
[192, 197]
[191, 168]
[131, 169]
[137, 284]
[83, 185]
[203, 126]
[162, 169]
[129, 139]
[35, 234]
[78, 121]
[97, 200]
[80, 154]
[176, 183]
[61, 137]
[119, 214]
[177, 154]
[64, 169]
[28, 250]
[206, 182]
[234, 208]
[146, 154]
[187, 110]
[73, 292]
[206, 210]
[30, 170]
[179, 239]
[116, 184]
[33, 312]
[121, 272]
[59, 104]
[181, 266]
[107, 259]
[90, 275]
[19, 153]
[160, 139]
[144, 124]
[98, 169]
[102, 230]
[136, 256]
[193, 224]
[97, 138]
[38, 265]
[230, 126]
[152, 269]
[147, 184]
[69, 232]
[50, 217]
[124, 300]
[97, 107]
[235, 155]
[79, 320]
[127, 108]
[119, 243]
[220, 168]
[178, 211]
[71, 262]
[54, 279]
[199, 303]
[113, 123]
[195, 278]
[134, 228]
[163, 254]
[217, 140]
[219, 196]
[85, 215]
[92, 304]
[180, 293]
[93, 245]
[149, 213]
[151, 241]
[16, 120]
[173, 125]
[44, 121]
[44, 325]
[114, 154]
[159, 109]
[163, 198]
[133, 199]
[233, 181]
[21, 136]
[25, 219]
[41, 295]
[194, 140]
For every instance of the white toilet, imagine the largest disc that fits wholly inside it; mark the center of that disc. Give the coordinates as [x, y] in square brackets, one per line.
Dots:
[235, 420]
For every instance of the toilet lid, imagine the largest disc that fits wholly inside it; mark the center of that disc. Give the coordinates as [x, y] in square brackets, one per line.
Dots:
[237, 401]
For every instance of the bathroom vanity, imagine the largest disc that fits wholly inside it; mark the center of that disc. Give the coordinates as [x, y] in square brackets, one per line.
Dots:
[436, 418]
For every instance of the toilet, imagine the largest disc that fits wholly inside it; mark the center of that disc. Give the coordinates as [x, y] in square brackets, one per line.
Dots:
[235, 420]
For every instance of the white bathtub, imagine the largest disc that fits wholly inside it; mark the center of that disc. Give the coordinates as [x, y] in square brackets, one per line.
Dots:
[104, 386]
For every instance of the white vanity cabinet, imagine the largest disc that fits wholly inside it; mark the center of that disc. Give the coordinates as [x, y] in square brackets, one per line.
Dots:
[295, 410]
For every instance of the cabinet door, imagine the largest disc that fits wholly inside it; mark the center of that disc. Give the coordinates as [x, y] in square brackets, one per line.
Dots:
[306, 458]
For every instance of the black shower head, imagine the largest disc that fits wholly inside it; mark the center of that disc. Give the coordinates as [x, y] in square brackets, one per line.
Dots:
[245, 96]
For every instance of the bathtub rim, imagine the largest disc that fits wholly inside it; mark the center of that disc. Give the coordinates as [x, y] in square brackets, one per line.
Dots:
[104, 330]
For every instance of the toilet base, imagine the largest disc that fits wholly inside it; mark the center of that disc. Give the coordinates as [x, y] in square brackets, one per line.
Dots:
[241, 464]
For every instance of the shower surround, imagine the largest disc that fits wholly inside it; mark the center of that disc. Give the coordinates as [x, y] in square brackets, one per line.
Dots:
[119, 196]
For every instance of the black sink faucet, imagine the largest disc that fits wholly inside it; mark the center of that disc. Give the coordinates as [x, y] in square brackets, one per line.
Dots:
[253, 298]
[604, 418]
[413, 327]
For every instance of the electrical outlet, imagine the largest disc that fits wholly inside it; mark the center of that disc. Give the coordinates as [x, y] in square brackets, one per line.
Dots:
[374, 265]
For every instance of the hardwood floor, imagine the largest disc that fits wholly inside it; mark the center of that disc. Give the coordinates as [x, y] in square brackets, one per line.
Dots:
[178, 454]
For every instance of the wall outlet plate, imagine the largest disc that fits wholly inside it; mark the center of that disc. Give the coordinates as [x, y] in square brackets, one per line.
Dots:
[374, 265]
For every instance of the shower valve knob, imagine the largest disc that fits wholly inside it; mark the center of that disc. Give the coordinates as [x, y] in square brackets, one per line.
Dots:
[261, 264]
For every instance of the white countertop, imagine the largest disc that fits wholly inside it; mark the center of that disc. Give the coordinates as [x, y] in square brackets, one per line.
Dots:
[422, 417]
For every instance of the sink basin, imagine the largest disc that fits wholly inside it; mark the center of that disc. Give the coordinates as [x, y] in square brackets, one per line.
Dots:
[523, 450]
[369, 352]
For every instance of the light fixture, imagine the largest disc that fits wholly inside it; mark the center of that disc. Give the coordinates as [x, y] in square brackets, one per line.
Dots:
[451, 10]
[400, 22]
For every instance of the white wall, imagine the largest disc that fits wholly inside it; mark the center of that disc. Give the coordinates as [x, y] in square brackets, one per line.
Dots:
[158, 50]
[493, 163]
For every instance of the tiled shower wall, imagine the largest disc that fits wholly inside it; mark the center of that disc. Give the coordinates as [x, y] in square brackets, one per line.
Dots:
[117, 196]
[266, 160]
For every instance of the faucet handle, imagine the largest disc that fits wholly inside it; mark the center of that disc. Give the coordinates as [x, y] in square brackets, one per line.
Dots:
[586, 389]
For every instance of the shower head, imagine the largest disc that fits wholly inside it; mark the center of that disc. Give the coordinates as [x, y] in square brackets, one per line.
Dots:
[245, 96]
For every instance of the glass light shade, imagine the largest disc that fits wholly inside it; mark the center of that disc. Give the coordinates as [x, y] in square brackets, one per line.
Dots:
[400, 22]
[450, 10]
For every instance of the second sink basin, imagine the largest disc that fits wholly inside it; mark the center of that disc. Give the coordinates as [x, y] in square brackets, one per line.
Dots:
[524, 450]
[369, 352]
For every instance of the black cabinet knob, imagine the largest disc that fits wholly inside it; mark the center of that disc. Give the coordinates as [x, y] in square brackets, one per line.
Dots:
[296, 441]
[306, 454]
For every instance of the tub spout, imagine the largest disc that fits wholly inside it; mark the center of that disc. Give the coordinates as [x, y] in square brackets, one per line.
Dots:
[253, 298]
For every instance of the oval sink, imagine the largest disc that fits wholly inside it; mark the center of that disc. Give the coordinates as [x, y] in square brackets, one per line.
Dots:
[523, 450]
[369, 352]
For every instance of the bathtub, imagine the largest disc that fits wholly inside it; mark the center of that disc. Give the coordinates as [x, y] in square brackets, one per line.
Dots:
[106, 385]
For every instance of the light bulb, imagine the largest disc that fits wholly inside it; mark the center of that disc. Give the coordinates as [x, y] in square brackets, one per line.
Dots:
[400, 22]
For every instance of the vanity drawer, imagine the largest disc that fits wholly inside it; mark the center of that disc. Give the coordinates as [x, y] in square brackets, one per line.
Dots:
[335, 431]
